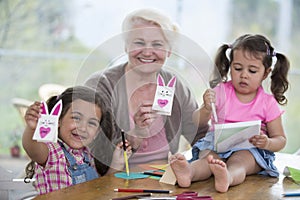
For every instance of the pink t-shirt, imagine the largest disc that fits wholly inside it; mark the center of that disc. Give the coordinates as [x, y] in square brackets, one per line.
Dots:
[263, 107]
[154, 147]
[55, 175]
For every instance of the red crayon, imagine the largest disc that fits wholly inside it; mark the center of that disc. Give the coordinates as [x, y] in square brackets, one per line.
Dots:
[141, 190]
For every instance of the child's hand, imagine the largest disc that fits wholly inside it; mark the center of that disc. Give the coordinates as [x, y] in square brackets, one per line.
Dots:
[118, 161]
[128, 148]
[209, 97]
[32, 115]
[260, 141]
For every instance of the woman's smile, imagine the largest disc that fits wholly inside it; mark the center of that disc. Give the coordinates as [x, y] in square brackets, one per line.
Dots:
[145, 60]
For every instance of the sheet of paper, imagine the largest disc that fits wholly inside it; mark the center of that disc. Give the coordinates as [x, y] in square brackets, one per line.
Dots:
[132, 175]
[168, 177]
[47, 125]
[164, 95]
[235, 135]
[293, 173]
[162, 167]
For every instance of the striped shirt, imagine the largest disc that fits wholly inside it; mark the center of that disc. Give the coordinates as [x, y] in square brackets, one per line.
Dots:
[55, 174]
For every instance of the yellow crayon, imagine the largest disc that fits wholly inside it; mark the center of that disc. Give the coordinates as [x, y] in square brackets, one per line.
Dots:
[125, 153]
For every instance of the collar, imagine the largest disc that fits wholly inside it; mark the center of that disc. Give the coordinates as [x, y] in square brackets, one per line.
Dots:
[73, 151]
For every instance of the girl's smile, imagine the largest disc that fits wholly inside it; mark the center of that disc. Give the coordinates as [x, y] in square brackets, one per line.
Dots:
[80, 124]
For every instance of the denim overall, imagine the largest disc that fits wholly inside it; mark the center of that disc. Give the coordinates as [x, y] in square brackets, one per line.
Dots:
[80, 173]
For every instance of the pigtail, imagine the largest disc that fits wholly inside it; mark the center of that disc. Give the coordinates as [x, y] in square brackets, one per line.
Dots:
[221, 68]
[279, 83]
[29, 171]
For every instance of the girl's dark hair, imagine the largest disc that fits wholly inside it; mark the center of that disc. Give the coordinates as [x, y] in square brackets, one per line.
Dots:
[68, 96]
[73, 93]
[260, 47]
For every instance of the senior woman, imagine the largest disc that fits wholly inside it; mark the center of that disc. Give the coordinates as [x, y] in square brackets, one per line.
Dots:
[131, 86]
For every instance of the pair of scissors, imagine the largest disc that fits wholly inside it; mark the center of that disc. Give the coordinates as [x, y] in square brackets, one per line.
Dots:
[188, 195]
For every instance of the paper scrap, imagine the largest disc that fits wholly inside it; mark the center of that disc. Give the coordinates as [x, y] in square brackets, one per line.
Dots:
[293, 173]
[169, 176]
[132, 175]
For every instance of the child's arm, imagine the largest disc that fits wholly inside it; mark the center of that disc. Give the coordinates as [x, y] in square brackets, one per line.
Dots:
[37, 151]
[118, 161]
[276, 139]
[202, 115]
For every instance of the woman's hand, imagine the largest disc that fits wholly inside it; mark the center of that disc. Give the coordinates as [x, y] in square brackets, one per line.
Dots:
[143, 118]
[144, 115]
[134, 141]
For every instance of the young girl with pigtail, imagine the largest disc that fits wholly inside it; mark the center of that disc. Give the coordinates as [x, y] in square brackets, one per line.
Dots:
[238, 98]
[84, 118]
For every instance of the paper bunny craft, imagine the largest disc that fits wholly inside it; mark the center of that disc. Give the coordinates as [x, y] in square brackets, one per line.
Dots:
[164, 95]
[47, 126]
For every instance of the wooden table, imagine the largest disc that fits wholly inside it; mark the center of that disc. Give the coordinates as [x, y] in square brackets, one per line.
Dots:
[254, 187]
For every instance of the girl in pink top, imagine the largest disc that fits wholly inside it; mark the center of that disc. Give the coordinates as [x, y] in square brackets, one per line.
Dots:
[69, 161]
[240, 99]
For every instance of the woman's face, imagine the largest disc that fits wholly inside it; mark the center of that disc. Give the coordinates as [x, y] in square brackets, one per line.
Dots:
[147, 48]
[79, 126]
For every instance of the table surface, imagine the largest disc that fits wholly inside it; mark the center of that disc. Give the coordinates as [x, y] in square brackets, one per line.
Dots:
[254, 187]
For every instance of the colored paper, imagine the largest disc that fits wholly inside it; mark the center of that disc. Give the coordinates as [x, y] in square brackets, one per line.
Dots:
[132, 175]
[162, 167]
[293, 173]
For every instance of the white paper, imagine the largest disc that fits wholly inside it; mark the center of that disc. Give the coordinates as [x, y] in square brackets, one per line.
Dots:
[47, 125]
[164, 95]
[235, 135]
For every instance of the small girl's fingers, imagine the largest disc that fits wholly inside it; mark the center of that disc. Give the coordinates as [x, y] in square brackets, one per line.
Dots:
[34, 109]
[211, 96]
[129, 153]
[128, 148]
[119, 145]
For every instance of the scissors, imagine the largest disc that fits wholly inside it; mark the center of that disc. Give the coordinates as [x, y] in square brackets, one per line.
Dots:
[188, 195]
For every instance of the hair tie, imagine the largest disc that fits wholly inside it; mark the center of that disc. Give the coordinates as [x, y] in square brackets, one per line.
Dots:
[229, 46]
[57, 97]
[269, 51]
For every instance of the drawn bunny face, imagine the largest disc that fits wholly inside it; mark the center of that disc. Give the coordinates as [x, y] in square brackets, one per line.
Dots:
[163, 99]
[47, 126]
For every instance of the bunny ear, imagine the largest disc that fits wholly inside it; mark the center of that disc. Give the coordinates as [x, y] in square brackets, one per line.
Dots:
[172, 82]
[56, 110]
[160, 80]
[44, 108]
